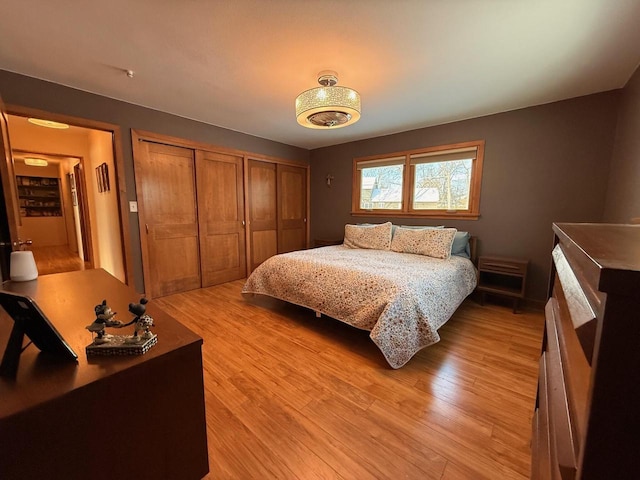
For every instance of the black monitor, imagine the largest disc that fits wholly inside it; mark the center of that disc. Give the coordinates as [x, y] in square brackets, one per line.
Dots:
[31, 321]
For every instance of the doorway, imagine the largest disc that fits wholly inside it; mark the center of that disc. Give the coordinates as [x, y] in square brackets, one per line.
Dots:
[81, 228]
[53, 211]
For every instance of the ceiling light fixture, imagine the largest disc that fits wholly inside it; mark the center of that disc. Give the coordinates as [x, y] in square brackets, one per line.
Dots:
[36, 162]
[328, 106]
[47, 123]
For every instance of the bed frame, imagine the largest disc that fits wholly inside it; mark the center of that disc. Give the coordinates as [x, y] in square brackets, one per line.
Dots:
[473, 247]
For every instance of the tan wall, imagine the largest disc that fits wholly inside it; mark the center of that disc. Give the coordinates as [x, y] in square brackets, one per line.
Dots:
[105, 226]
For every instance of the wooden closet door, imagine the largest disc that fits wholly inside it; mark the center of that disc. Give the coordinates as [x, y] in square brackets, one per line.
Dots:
[292, 208]
[165, 183]
[262, 211]
[220, 217]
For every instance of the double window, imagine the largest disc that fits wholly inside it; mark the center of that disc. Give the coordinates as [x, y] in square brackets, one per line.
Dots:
[441, 181]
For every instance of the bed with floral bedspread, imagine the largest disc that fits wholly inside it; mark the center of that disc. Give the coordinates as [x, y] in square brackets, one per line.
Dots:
[401, 298]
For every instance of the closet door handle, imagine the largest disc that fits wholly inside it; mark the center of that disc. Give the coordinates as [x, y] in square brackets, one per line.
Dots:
[146, 227]
[243, 223]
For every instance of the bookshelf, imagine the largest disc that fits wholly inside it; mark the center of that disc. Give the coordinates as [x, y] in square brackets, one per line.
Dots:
[39, 196]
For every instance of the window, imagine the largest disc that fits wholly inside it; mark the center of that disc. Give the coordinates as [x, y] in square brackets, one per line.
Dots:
[441, 182]
[381, 183]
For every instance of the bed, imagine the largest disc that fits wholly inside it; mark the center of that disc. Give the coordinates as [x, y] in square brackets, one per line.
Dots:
[401, 298]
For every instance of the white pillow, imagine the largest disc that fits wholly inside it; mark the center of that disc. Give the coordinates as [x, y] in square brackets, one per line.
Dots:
[432, 242]
[377, 237]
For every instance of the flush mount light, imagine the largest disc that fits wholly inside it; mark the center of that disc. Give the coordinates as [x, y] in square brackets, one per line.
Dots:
[36, 162]
[328, 106]
[47, 123]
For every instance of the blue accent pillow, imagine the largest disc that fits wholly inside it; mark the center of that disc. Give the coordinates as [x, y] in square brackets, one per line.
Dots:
[461, 246]
[421, 227]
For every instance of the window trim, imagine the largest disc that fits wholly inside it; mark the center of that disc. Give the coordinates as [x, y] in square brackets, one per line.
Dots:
[408, 178]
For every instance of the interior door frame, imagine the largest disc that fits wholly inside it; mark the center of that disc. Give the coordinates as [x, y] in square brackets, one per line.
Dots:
[81, 187]
[84, 220]
[118, 159]
[11, 220]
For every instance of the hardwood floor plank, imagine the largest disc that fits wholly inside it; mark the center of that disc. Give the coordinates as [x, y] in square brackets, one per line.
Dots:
[56, 259]
[237, 452]
[395, 452]
[292, 396]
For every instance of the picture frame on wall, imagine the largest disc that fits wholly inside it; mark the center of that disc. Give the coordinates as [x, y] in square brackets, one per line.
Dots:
[99, 179]
[105, 177]
[102, 177]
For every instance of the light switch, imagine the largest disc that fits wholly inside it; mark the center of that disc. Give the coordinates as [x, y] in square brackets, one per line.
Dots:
[133, 207]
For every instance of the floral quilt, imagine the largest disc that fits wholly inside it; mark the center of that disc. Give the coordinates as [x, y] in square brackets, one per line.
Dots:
[401, 298]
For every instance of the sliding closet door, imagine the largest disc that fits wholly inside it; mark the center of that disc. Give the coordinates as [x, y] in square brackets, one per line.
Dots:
[165, 184]
[262, 211]
[292, 208]
[220, 217]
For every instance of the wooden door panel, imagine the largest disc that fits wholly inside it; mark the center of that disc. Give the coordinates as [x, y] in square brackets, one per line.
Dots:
[263, 192]
[165, 182]
[181, 272]
[223, 268]
[292, 208]
[169, 186]
[174, 230]
[292, 191]
[263, 211]
[265, 245]
[291, 239]
[221, 217]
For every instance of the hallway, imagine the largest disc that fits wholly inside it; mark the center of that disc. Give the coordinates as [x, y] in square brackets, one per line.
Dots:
[57, 259]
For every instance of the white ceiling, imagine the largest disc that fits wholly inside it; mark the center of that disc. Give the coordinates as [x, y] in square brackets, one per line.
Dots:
[240, 64]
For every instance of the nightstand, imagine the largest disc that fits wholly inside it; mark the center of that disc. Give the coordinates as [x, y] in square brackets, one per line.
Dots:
[318, 242]
[502, 276]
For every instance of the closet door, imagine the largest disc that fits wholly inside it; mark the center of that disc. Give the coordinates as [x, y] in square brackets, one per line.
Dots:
[220, 217]
[292, 208]
[165, 184]
[263, 240]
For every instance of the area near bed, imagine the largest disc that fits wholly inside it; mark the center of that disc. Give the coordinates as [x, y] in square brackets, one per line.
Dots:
[401, 298]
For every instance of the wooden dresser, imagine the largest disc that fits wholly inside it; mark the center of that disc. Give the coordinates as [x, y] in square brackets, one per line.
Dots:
[102, 418]
[586, 423]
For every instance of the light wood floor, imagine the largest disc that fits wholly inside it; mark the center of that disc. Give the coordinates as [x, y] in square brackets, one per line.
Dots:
[57, 259]
[290, 396]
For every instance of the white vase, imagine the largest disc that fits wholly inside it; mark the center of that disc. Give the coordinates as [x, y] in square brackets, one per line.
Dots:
[23, 266]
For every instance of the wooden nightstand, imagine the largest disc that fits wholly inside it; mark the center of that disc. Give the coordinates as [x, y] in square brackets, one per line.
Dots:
[318, 242]
[502, 276]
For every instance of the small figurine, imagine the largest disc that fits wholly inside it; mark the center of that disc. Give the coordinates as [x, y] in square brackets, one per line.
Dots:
[141, 322]
[104, 318]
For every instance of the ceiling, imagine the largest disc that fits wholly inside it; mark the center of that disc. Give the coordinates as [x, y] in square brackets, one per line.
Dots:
[240, 64]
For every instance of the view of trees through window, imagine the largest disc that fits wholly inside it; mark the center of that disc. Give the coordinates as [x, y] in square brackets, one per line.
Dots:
[442, 185]
[382, 188]
[434, 181]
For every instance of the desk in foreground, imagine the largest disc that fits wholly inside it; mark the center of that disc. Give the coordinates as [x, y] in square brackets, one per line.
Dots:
[139, 417]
